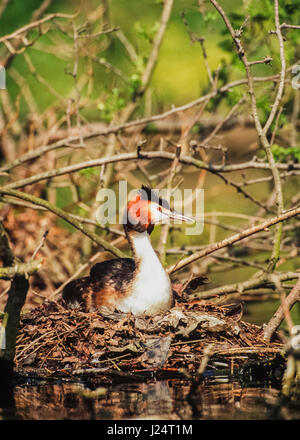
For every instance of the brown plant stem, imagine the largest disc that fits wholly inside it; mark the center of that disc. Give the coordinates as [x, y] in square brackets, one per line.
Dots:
[15, 301]
[146, 155]
[262, 131]
[279, 315]
[233, 239]
[70, 219]
[7, 273]
[65, 143]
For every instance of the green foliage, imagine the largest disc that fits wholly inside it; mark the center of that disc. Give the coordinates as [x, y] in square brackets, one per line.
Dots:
[237, 19]
[264, 106]
[226, 44]
[180, 73]
[87, 172]
[113, 103]
[135, 84]
[63, 196]
[261, 10]
[210, 17]
[233, 96]
[286, 154]
[146, 32]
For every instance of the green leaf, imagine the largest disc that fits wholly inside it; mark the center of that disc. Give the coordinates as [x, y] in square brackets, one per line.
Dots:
[88, 172]
[286, 154]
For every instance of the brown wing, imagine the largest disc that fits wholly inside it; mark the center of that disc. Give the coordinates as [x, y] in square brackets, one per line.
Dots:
[106, 282]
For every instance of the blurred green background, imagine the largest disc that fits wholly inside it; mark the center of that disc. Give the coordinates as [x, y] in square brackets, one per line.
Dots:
[180, 75]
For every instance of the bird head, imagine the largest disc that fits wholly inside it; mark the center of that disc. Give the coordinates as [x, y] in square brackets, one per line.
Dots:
[149, 209]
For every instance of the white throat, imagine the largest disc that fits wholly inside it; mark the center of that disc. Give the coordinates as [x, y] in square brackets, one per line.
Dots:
[142, 246]
[152, 290]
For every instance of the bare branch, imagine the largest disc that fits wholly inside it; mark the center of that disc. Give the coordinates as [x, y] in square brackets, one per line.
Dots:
[233, 239]
[70, 219]
[146, 155]
[37, 23]
[65, 143]
[262, 131]
[167, 9]
[7, 273]
[279, 315]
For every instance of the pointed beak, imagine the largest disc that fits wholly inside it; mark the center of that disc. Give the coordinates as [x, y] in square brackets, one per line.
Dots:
[176, 216]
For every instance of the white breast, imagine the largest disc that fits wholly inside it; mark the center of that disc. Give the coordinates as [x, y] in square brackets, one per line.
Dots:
[152, 290]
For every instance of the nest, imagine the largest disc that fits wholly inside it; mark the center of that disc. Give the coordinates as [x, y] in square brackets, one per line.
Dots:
[53, 340]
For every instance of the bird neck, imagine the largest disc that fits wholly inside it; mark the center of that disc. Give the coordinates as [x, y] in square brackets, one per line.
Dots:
[151, 289]
[141, 246]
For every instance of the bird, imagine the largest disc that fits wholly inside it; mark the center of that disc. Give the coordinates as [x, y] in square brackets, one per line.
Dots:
[138, 285]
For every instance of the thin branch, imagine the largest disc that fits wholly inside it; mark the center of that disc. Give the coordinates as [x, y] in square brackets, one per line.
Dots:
[266, 60]
[86, 220]
[146, 155]
[97, 34]
[35, 16]
[41, 244]
[259, 279]
[233, 239]
[70, 219]
[128, 46]
[282, 71]
[279, 315]
[146, 77]
[218, 127]
[127, 125]
[7, 273]
[289, 26]
[262, 131]
[35, 24]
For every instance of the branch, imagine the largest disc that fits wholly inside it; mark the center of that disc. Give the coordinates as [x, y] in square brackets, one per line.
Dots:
[135, 123]
[289, 26]
[35, 24]
[262, 131]
[16, 297]
[257, 280]
[279, 315]
[282, 71]
[35, 16]
[146, 155]
[233, 239]
[7, 273]
[168, 4]
[86, 220]
[70, 219]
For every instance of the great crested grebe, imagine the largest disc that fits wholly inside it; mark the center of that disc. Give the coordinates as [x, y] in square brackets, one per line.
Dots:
[139, 285]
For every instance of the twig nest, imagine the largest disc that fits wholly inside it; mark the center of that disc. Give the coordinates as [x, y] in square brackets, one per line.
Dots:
[53, 339]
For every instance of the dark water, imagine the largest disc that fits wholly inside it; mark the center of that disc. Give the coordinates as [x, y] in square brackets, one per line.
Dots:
[222, 394]
[166, 400]
[215, 398]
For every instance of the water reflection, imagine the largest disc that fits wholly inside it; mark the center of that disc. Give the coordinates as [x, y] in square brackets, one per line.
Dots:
[168, 400]
[7, 401]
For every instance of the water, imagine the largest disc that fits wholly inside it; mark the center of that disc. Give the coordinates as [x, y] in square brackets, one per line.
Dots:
[220, 397]
[161, 400]
[223, 394]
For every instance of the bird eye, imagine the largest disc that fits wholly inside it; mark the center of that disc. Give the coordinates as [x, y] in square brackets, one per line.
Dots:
[159, 208]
